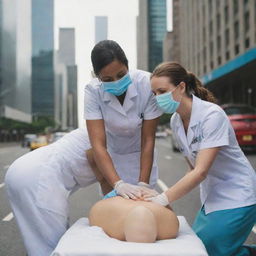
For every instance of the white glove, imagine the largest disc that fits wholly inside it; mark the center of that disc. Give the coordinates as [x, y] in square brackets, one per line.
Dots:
[127, 190]
[146, 190]
[161, 199]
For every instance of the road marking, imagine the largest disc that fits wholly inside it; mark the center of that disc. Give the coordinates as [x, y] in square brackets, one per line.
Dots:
[254, 229]
[162, 185]
[168, 157]
[1, 185]
[8, 217]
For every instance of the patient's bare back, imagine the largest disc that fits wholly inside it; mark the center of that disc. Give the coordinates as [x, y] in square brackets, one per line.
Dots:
[111, 215]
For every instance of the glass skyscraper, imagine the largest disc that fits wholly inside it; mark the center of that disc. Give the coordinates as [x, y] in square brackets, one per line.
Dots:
[42, 58]
[156, 31]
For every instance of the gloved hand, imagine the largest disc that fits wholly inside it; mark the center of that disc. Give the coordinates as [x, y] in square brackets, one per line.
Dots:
[161, 199]
[127, 190]
[146, 190]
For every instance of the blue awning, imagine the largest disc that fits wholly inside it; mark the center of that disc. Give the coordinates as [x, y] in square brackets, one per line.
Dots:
[230, 66]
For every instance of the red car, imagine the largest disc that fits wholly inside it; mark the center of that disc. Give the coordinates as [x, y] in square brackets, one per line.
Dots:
[243, 120]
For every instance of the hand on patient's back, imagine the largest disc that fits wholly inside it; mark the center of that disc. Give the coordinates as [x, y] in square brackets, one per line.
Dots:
[127, 190]
[161, 199]
[146, 191]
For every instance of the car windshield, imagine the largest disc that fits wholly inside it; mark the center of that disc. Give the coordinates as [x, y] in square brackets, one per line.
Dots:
[239, 110]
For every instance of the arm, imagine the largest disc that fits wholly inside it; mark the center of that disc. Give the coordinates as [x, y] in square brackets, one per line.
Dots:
[96, 131]
[147, 148]
[192, 179]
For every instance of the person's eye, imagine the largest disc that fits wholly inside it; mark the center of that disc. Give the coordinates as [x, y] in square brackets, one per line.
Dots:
[120, 75]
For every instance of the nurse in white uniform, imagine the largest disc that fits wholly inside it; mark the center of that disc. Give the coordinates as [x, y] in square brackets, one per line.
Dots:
[39, 183]
[216, 162]
[38, 186]
[121, 115]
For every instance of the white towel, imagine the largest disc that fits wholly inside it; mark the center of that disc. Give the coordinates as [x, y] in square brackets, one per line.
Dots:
[83, 240]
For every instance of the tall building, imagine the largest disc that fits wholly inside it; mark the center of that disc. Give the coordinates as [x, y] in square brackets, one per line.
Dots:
[15, 92]
[142, 36]
[43, 58]
[151, 27]
[156, 31]
[66, 104]
[101, 28]
[218, 43]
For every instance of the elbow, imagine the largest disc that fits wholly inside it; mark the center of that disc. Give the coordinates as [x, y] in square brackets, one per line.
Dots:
[202, 175]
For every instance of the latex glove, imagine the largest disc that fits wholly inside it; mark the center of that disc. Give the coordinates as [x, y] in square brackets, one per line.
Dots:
[161, 199]
[146, 190]
[127, 190]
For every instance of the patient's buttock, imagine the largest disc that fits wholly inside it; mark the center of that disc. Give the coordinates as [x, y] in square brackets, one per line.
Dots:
[134, 221]
[140, 225]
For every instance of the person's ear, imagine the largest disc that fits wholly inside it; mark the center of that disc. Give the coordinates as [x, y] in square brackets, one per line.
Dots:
[183, 87]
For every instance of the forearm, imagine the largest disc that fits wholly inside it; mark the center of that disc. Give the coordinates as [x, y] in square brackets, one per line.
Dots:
[191, 180]
[146, 161]
[105, 165]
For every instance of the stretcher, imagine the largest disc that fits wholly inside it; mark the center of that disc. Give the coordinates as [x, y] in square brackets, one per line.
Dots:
[84, 240]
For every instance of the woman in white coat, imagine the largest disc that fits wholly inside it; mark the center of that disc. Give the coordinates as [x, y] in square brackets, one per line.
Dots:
[216, 162]
[39, 183]
[121, 115]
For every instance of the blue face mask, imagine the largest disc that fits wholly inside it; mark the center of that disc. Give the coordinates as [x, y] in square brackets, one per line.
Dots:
[166, 102]
[118, 87]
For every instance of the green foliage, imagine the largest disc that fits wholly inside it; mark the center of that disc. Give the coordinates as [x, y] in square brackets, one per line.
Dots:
[165, 118]
[39, 125]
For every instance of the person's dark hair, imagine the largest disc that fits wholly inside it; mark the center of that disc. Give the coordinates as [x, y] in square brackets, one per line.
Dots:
[104, 52]
[178, 74]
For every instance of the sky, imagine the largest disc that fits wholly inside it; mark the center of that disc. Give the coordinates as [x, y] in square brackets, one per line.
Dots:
[80, 14]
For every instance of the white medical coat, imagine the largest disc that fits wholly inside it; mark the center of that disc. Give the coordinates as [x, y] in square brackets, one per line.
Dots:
[231, 180]
[123, 122]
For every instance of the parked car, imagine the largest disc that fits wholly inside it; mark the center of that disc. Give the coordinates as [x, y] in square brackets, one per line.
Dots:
[243, 120]
[27, 140]
[40, 141]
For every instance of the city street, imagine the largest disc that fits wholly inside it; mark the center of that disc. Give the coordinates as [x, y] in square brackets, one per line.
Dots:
[172, 167]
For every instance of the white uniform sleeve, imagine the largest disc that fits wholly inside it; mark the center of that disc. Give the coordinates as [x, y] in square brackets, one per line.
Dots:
[215, 130]
[92, 109]
[152, 110]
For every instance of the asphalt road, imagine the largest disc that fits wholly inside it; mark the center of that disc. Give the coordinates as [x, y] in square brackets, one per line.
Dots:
[172, 167]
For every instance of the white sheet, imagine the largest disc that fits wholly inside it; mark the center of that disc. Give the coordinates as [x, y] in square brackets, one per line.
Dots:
[83, 240]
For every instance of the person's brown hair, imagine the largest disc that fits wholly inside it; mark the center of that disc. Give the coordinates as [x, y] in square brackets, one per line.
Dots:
[178, 74]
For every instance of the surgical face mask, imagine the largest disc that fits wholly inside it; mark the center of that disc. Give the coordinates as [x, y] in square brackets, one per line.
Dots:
[166, 102]
[118, 87]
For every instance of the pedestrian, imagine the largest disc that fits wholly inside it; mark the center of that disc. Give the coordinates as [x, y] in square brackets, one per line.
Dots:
[208, 142]
[40, 182]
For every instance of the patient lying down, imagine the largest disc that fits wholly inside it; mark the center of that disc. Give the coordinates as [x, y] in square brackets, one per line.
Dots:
[134, 221]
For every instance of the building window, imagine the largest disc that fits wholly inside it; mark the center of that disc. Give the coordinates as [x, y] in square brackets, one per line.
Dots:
[246, 21]
[219, 60]
[204, 34]
[247, 43]
[226, 14]
[227, 37]
[227, 55]
[237, 49]
[210, 28]
[218, 22]
[211, 49]
[236, 28]
[235, 6]
[211, 65]
[218, 43]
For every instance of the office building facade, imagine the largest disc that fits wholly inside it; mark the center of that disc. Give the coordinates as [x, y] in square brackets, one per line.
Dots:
[43, 58]
[66, 104]
[218, 43]
[101, 28]
[151, 30]
[15, 93]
